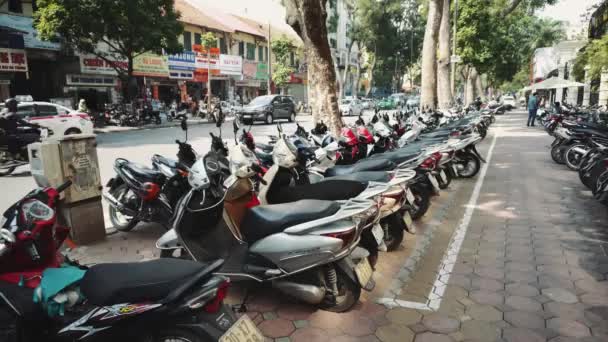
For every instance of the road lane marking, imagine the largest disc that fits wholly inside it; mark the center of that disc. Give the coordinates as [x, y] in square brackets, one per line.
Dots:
[451, 255]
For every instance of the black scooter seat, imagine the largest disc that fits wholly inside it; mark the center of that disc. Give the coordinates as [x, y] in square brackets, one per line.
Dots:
[364, 176]
[328, 190]
[141, 172]
[400, 156]
[108, 284]
[262, 221]
[363, 165]
[157, 158]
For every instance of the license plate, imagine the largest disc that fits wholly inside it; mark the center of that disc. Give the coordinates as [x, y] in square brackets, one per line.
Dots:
[44, 133]
[410, 197]
[443, 176]
[407, 219]
[433, 181]
[244, 330]
[378, 233]
[364, 272]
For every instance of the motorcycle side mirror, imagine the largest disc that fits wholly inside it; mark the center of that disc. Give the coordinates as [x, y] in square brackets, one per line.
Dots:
[184, 125]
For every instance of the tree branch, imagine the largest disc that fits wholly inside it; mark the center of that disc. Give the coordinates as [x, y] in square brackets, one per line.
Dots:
[512, 7]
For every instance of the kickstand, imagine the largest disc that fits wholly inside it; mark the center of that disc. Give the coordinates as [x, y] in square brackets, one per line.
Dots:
[242, 308]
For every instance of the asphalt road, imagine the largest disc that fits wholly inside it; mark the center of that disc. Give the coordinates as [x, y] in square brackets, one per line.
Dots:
[139, 146]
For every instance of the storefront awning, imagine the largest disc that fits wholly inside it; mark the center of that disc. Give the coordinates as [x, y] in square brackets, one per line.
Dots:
[30, 35]
[554, 83]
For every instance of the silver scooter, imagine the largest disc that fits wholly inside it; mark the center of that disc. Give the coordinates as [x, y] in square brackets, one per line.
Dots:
[306, 249]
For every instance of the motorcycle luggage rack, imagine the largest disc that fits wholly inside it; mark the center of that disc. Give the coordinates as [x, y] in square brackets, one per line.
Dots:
[349, 209]
[402, 176]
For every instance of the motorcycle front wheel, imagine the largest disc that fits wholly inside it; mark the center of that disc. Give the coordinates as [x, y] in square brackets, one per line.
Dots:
[4, 161]
[557, 155]
[573, 159]
[422, 201]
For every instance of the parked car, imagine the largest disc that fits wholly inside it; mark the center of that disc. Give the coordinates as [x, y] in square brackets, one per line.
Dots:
[413, 102]
[509, 102]
[268, 108]
[387, 103]
[59, 119]
[349, 107]
[367, 103]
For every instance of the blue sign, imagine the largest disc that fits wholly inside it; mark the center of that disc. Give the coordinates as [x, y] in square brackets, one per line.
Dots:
[182, 61]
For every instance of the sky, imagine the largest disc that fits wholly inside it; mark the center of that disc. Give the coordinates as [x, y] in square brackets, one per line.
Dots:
[569, 11]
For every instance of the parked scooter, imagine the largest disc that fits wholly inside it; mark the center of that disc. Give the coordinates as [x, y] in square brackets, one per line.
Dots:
[150, 301]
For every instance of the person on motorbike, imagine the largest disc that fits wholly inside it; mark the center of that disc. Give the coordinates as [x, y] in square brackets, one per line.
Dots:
[10, 124]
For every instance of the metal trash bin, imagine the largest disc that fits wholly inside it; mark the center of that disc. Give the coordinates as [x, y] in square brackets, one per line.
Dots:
[73, 157]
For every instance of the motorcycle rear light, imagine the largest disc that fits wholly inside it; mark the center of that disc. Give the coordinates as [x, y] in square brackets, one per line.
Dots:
[215, 304]
[436, 156]
[346, 237]
[151, 191]
[455, 134]
[428, 163]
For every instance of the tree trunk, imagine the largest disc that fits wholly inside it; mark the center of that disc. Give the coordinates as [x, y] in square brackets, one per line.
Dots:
[429, 54]
[307, 18]
[346, 66]
[478, 87]
[132, 88]
[444, 90]
[469, 93]
[338, 77]
[358, 77]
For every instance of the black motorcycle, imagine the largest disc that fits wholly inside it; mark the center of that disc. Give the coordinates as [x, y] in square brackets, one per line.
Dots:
[25, 136]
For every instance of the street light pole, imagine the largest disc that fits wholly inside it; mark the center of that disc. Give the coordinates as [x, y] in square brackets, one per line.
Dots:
[269, 61]
[453, 62]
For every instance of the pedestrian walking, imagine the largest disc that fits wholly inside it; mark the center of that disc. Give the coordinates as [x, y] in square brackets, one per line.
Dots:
[532, 109]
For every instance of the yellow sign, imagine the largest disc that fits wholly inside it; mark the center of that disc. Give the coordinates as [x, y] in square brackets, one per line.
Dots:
[149, 64]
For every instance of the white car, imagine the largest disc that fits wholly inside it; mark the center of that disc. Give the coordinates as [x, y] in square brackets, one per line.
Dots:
[509, 102]
[350, 107]
[59, 119]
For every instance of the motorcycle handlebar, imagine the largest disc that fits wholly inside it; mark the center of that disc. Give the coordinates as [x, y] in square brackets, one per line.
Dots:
[64, 186]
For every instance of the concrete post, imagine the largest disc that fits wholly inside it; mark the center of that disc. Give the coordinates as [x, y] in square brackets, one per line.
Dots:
[603, 98]
[572, 95]
[587, 88]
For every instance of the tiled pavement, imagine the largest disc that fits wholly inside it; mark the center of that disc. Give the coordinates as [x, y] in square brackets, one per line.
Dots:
[532, 265]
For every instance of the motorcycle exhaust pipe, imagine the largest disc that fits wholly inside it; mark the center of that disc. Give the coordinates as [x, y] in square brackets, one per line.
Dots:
[115, 203]
[307, 293]
[579, 150]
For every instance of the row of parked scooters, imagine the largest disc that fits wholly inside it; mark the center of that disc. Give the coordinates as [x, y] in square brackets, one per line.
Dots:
[581, 144]
[307, 213]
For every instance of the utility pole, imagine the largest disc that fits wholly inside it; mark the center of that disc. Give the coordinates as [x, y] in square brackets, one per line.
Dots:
[453, 59]
[269, 61]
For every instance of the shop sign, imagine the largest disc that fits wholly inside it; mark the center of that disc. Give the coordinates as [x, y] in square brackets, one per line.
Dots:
[262, 71]
[249, 83]
[91, 80]
[250, 69]
[182, 61]
[200, 76]
[203, 62]
[150, 65]
[91, 64]
[13, 60]
[30, 36]
[231, 65]
[181, 75]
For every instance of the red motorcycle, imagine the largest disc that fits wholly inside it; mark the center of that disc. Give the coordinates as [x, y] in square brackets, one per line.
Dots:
[152, 301]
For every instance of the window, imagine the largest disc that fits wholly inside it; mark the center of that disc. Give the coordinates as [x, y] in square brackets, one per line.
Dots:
[197, 39]
[26, 111]
[260, 53]
[242, 49]
[292, 60]
[333, 43]
[47, 110]
[223, 46]
[15, 6]
[250, 52]
[187, 41]
[266, 53]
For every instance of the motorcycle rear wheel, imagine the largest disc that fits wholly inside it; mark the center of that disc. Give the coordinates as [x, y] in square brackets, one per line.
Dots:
[422, 201]
[348, 296]
[556, 154]
[444, 185]
[573, 159]
[393, 227]
[120, 221]
[471, 164]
